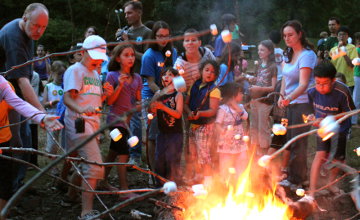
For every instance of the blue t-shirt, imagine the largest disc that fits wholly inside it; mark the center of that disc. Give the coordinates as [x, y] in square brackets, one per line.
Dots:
[127, 96]
[337, 101]
[219, 46]
[19, 48]
[229, 77]
[150, 67]
[291, 74]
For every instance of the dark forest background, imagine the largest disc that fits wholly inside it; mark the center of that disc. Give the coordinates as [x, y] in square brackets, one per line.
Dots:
[69, 18]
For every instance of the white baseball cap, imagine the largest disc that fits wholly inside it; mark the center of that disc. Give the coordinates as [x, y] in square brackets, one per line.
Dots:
[98, 53]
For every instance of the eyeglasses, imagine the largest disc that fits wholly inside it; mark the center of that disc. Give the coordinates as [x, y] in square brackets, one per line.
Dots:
[160, 36]
[328, 84]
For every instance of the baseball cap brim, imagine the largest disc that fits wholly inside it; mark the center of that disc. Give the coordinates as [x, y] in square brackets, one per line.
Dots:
[96, 54]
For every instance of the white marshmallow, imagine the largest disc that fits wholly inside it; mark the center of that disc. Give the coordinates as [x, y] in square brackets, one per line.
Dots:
[226, 36]
[168, 53]
[150, 116]
[115, 134]
[214, 30]
[357, 150]
[279, 129]
[199, 190]
[246, 138]
[237, 136]
[132, 142]
[179, 84]
[356, 61]
[264, 161]
[300, 192]
[169, 187]
[230, 128]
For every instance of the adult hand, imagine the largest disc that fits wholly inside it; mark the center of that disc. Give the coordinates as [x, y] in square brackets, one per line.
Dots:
[51, 123]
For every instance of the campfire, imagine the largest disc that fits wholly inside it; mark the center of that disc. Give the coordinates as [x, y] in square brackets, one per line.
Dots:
[251, 196]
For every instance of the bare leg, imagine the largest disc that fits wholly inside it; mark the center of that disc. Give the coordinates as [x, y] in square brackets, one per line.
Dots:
[333, 174]
[76, 180]
[122, 172]
[109, 158]
[319, 159]
[88, 198]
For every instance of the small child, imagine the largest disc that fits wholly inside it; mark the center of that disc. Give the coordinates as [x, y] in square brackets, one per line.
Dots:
[83, 94]
[52, 95]
[169, 108]
[329, 97]
[127, 92]
[231, 148]
[202, 104]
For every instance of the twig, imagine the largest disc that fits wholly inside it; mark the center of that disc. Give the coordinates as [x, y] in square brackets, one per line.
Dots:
[175, 38]
[82, 160]
[20, 122]
[127, 202]
[22, 190]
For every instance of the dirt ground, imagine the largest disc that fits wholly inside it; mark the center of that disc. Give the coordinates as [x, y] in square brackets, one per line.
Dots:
[42, 202]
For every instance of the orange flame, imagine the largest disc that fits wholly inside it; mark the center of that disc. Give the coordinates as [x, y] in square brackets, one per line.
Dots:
[249, 199]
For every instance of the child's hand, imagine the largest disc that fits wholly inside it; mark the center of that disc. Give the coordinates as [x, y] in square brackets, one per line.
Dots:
[88, 110]
[196, 116]
[283, 103]
[108, 89]
[122, 79]
[157, 105]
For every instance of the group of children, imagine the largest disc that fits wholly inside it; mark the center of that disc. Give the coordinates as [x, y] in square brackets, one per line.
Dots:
[211, 112]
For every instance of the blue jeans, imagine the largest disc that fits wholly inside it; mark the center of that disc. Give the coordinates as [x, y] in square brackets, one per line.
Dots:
[298, 150]
[136, 129]
[21, 137]
[168, 155]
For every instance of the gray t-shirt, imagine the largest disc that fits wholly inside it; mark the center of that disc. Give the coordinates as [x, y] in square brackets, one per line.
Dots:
[89, 88]
[139, 34]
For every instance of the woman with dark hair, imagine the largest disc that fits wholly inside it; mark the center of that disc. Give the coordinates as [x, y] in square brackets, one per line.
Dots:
[154, 61]
[300, 60]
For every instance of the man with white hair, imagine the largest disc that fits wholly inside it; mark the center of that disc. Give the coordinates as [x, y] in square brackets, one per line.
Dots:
[17, 38]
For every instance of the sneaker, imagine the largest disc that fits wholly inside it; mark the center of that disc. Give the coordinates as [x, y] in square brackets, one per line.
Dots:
[90, 215]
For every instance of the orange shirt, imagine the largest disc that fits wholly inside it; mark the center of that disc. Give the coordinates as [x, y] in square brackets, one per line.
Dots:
[5, 133]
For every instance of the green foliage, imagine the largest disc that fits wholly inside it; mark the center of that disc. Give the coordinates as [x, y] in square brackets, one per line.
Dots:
[256, 18]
